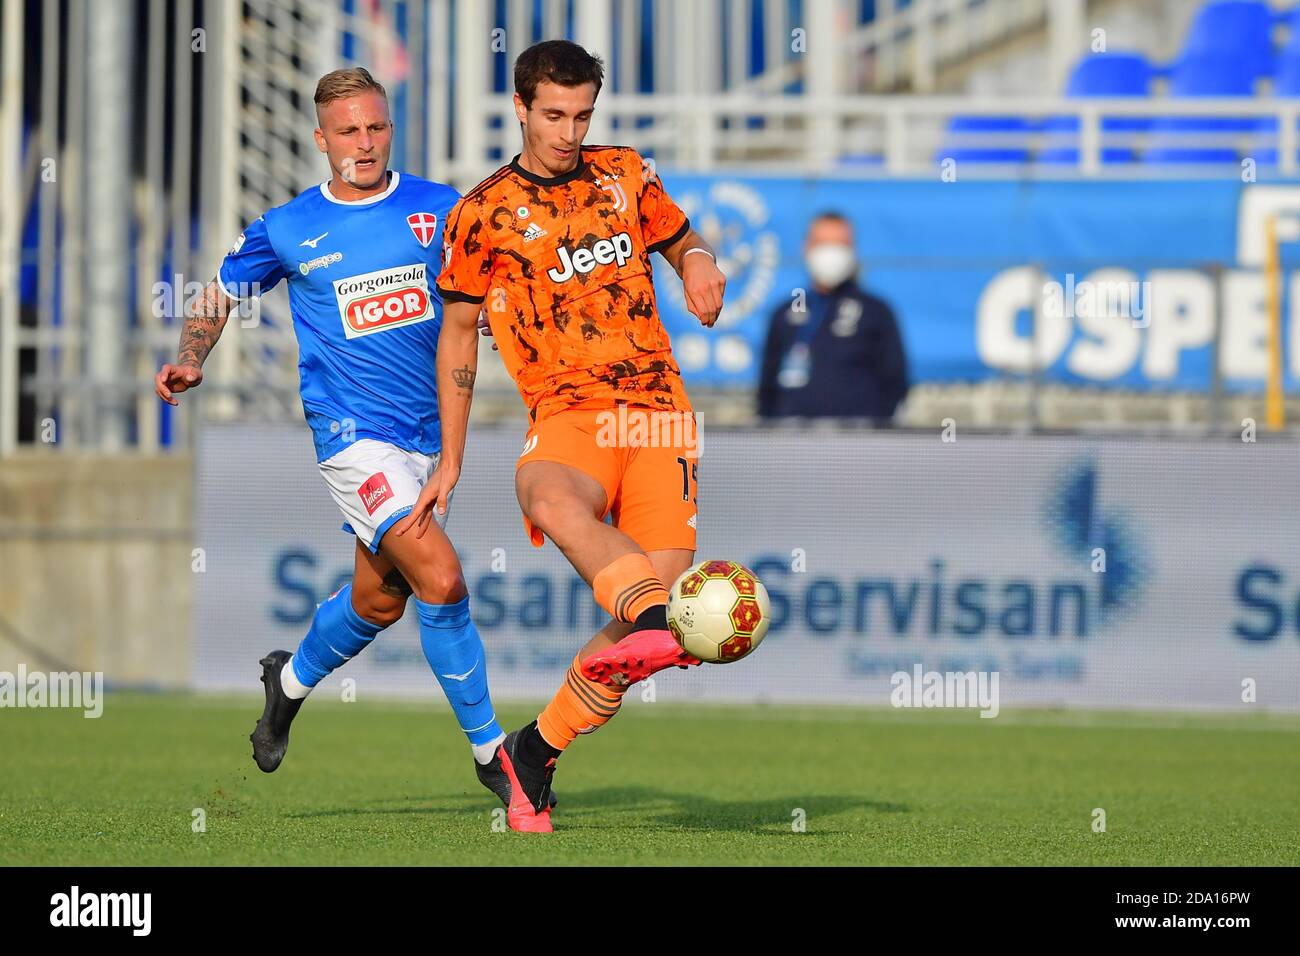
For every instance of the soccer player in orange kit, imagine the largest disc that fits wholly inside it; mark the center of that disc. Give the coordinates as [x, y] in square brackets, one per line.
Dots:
[556, 246]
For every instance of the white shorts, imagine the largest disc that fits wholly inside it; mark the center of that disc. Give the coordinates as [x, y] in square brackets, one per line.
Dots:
[375, 485]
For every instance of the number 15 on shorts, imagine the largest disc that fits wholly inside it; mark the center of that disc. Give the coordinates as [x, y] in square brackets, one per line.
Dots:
[690, 479]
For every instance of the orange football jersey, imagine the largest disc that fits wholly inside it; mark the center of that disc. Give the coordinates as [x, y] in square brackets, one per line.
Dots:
[563, 264]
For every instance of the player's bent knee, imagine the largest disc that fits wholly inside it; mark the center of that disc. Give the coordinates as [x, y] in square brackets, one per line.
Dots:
[381, 610]
[440, 586]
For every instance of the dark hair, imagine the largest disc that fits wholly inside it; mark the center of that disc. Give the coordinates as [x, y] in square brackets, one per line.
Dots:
[560, 62]
[833, 215]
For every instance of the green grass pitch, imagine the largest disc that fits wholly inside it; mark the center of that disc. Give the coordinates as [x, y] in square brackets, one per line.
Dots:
[392, 783]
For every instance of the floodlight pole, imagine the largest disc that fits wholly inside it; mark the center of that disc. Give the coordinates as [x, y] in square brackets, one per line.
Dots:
[1276, 229]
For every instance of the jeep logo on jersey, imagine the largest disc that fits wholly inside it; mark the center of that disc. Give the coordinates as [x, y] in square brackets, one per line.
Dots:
[387, 299]
[602, 252]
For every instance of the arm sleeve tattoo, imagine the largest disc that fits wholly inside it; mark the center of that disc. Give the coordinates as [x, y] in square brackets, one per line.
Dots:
[204, 320]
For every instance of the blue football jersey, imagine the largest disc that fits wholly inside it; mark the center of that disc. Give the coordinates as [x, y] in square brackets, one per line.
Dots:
[365, 307]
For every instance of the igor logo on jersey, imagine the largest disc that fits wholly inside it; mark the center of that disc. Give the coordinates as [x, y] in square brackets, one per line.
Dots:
[386, 299]
[616, 248]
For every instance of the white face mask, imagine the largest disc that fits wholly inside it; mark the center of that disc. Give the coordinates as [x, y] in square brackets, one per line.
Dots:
[829, 264]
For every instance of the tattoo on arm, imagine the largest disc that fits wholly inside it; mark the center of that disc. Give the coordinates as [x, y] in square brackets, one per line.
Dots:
[464, 377]
[204, 321]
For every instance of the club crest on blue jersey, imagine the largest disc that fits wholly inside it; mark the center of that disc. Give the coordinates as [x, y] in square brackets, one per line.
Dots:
[424, 225]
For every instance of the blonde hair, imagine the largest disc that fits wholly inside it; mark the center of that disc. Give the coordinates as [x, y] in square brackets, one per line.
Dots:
[340, 84]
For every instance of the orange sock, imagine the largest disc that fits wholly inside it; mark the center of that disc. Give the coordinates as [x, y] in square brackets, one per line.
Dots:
[578, 707]
[627, 586]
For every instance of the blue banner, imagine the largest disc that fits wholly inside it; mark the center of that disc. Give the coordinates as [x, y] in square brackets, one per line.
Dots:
[1110, 572]
[1124, 284]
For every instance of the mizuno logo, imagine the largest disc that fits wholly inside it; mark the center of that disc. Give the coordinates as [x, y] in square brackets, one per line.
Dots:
[461, 677]
[312, 242]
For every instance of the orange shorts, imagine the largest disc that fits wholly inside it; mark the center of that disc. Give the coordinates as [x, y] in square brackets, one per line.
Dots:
[645, 459]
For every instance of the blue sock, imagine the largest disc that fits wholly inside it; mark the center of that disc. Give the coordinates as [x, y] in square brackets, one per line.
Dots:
[454, 650]
[338, 633]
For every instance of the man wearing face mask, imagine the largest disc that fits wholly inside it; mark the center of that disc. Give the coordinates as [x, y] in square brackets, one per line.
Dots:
[836, 352]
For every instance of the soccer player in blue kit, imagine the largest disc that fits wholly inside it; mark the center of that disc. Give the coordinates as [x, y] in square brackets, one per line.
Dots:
[361, 253]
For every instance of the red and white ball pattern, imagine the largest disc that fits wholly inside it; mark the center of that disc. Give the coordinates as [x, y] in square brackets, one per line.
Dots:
[718, 611]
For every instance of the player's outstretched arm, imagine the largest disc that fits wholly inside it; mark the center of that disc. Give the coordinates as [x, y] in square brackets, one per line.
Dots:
[702, 280]
[204, 320]
[457, 367]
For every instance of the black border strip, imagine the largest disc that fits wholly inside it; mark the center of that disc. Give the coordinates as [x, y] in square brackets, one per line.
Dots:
[451, 295]
[663, 244]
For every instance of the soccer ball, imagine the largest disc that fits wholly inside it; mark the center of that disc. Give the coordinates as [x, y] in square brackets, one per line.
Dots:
[718, 611]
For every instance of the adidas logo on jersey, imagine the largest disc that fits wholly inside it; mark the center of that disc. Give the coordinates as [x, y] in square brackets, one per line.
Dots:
[616, 249]
[533, 231]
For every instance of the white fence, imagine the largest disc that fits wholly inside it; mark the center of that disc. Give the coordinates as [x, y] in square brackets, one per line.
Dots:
[873, 136]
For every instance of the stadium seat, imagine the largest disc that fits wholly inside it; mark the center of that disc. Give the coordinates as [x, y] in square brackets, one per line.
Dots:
[1183, 139]
[1229, 46]
[987, 139]
[1110, 74]
[1236, 28]
[1212, 75]
[1286, 84]
[1099, 75]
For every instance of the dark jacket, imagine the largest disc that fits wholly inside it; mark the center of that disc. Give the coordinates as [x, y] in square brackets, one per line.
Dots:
[855, 363]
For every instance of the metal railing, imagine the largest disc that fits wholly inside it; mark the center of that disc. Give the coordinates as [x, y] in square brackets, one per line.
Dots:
[225, 115]
[849, 136]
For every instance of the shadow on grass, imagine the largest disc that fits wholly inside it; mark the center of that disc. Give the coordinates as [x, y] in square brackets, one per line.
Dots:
[657, 809]
[690, 811]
